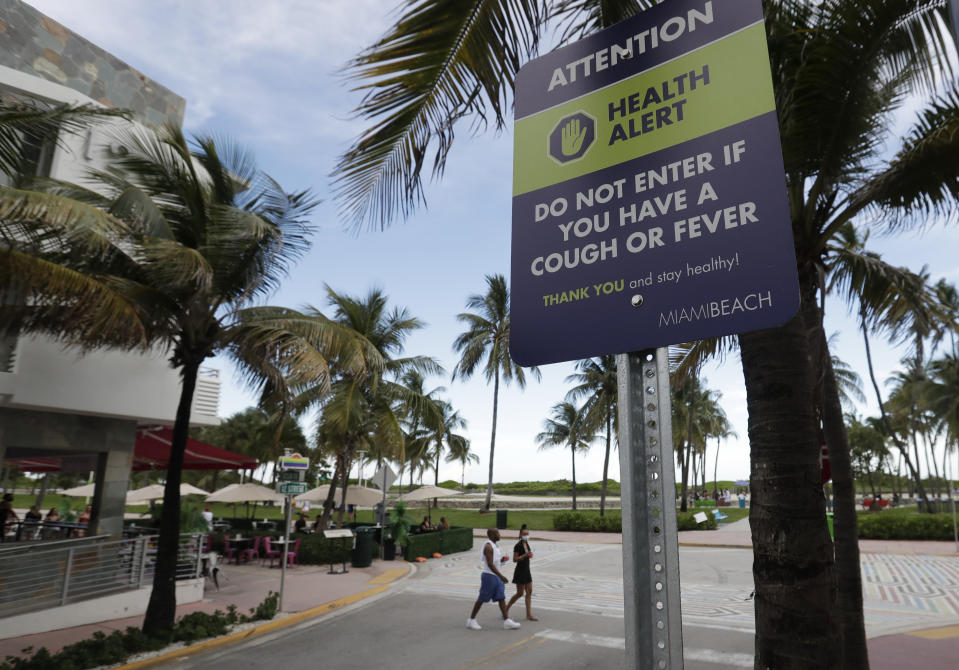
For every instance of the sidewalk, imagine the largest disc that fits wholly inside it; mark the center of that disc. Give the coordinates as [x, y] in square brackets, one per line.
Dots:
[307, 587]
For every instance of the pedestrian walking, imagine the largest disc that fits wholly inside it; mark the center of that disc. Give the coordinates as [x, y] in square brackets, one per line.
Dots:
[521, 575]
[491, 582]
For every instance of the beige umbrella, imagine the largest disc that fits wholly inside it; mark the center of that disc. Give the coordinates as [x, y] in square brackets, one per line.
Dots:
[235, 493]
[155, 492]
[85, 491]
[428, 493]
[355, 495]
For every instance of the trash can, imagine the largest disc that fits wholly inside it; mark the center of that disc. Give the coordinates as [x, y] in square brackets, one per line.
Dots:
[501, 519]
[363, 549]
[742, 503]
[832, 535]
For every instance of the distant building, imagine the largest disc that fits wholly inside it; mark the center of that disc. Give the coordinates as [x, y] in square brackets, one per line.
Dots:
[83, 409]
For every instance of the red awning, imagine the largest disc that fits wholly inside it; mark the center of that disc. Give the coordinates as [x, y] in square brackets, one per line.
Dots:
[151, 451]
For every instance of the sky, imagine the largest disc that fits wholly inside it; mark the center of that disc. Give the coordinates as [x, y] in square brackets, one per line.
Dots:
[270, 75]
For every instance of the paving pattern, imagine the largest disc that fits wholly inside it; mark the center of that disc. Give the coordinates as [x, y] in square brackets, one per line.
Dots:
[901, 592]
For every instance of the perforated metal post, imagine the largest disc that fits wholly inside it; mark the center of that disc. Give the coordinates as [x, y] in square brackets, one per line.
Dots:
[654, 632]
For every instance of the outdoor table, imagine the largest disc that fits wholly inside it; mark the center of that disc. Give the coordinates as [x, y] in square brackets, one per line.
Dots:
[240, 544]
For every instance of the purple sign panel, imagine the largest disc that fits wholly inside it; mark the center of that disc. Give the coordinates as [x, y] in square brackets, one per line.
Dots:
[649, 200]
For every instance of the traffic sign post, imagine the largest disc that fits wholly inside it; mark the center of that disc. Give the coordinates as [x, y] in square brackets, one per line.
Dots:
[289, 483]
[649, 208]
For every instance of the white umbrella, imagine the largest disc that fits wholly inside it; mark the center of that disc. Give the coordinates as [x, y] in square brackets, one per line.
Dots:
[235, 493]
[355, 495]
[85, 491]
[155, 492]
[427, 493]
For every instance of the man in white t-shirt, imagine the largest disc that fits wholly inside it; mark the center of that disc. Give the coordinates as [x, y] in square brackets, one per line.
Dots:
[491, 582]
[208, 517]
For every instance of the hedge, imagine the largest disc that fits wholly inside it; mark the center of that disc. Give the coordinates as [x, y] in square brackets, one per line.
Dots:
[882, 526]
[613, 523]
[440, 541]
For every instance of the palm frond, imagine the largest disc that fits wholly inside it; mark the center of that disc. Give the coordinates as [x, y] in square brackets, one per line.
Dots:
[438, 63]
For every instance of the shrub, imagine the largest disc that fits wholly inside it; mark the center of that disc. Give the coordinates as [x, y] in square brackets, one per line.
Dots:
[883, 526]
[116, 647]
[613, 523]
[442, 541]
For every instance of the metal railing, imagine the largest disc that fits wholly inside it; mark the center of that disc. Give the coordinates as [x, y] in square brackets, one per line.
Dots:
[39, 576]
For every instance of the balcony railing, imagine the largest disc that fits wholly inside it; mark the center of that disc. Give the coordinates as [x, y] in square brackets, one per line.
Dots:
[41, 575]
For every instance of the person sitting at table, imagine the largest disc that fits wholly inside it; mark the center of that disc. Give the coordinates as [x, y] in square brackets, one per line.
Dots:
[317, 528]
[300, 525]
[444, 524]
[425, 527]
[53, 516]
[85, 519]
[7, 515]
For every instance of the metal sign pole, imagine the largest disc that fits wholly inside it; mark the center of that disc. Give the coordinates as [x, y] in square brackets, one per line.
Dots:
[286, 548]
[654, 627]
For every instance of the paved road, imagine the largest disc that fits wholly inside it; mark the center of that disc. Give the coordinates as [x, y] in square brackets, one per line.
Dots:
[578, 598]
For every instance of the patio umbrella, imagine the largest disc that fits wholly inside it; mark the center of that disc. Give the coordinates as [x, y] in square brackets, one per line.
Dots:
[427, 493]
[741, 482]
[155, 492]
[248, 492]
[85, 491]
[355, 495]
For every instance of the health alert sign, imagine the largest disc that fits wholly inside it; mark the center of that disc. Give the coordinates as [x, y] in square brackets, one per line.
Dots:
[649, 198]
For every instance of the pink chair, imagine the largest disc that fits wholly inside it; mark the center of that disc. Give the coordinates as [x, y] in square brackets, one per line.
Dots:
[293, 557]
[250, 555]
[229, 552]
[270, 552]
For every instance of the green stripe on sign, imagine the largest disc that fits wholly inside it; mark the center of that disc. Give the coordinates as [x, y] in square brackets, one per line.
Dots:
[651, 111]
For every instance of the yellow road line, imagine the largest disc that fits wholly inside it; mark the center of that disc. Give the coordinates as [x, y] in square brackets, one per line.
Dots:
[937, 633]
[479, 661]
[388, 576]
[268, 627]
[516, 652]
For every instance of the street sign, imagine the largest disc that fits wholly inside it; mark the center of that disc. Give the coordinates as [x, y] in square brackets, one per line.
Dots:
[649, 197]
[294, 462]
[384, 477]
[291, 475]
[291, 488]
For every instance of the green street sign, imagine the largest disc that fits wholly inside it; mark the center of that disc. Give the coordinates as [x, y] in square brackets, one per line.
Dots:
[291, 488]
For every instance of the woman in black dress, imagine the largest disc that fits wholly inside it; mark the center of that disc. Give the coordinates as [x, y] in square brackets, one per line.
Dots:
[521, 576]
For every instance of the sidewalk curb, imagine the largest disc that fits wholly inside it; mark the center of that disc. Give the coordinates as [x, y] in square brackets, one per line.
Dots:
[268, 627]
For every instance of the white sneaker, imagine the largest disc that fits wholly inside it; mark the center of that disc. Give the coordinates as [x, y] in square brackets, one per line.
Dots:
[473, 624]
[509, 624]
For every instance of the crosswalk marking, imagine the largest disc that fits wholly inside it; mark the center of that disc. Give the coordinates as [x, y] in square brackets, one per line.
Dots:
[724, 659]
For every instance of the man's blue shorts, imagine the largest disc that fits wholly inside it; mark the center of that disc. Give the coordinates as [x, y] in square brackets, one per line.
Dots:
[491, 588]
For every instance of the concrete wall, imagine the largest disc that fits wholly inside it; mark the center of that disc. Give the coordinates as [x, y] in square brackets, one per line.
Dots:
[129, 604]
[110, 383]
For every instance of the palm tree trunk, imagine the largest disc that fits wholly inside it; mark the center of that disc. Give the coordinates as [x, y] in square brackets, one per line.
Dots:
[934, 466]
[492, 442]
[330, 501]
[161, 610]
[43, 490]
[687, 455]
[602, 493]
[347, 463]
[903, 449]
[855, 654]
[715, 476]
[572, 450]
[792, 555]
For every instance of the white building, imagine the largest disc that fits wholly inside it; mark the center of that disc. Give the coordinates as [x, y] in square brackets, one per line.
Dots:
[83, 409]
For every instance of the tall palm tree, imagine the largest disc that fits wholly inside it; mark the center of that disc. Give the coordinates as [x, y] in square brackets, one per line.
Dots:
[485, 343]
[443, 437]
[170, 251]
[459, 450]
[566, 428]
[840, 69]
[365, 409]
[596, 384]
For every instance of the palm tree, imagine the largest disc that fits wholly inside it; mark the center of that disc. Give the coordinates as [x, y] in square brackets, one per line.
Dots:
[365, 409]
[596, 383]
[840, 70]
[170, 252]
[459, 450]
[485, 343]
[566, 429]
[444, 437]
